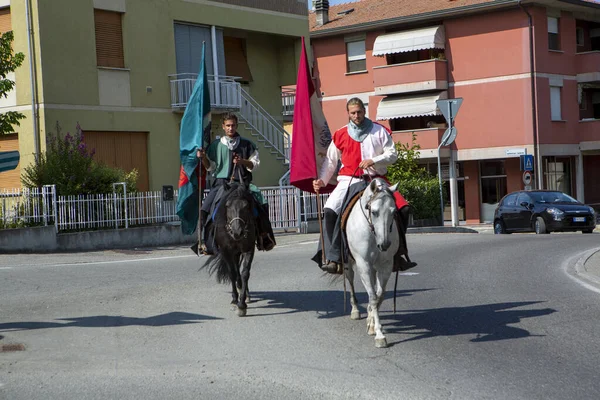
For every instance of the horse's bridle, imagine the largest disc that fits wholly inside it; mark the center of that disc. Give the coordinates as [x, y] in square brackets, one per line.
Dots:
[368, 207]
[229, 228]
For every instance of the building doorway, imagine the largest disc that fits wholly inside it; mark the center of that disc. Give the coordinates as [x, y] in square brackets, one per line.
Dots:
[493, 187]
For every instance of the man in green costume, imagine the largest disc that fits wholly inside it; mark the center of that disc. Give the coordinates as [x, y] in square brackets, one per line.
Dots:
[227, 159]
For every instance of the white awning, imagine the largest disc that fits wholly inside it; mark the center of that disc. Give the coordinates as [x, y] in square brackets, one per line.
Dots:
[409, 106]
[418, 39]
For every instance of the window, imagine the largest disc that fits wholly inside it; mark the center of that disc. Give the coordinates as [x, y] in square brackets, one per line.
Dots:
[109, 39]
[510, 200]
[555, 103]
[357, 58]
[5, 22]
[553, 37]
[523, 198]
[580, 37]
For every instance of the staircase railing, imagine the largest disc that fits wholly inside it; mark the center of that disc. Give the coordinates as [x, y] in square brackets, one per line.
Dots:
[265, 125]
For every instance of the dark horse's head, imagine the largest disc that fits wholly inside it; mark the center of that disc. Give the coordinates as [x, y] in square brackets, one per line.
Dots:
[235, 217]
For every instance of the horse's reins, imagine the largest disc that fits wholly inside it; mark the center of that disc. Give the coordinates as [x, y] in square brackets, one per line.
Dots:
[228, 226]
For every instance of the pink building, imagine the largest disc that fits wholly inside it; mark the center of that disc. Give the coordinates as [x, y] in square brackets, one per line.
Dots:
[529, 74]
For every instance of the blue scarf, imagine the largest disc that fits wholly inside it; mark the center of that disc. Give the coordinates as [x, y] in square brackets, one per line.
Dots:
[360, 132]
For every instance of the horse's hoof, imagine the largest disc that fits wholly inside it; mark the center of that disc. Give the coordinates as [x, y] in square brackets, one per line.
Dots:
[380, 343]
[355, 315]
[241, 312]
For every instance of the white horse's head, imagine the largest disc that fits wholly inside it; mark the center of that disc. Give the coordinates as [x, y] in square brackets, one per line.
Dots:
[378, 200]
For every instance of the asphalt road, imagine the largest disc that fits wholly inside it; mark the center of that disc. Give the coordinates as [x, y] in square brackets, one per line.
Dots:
[486, 317]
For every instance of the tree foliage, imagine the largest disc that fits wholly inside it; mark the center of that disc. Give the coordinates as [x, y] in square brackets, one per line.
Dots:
[70, 165]
[9, 62]
[416, 184]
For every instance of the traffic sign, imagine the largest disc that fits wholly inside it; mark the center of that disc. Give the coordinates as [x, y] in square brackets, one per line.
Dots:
[527, 178]
[449, 107]
[9, 160]
[449, 136]
[527, 162]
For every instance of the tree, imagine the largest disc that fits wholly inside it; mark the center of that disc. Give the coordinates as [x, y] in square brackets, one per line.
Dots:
[416, 184]
[9, 62]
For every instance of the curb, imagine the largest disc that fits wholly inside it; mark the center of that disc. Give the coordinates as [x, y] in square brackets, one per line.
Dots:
[579, 271]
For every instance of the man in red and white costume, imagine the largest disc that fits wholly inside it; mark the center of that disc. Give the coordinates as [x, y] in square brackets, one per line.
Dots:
[365, 149]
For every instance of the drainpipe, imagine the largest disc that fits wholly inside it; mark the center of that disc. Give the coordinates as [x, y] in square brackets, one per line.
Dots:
[213, 37]
[34, 112]
[536, 147]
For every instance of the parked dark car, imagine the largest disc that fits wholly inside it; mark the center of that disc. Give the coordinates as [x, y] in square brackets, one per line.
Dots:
[542, 211]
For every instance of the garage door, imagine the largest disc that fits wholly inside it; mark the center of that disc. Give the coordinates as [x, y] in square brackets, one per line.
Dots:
[10, 179]
[125, 150]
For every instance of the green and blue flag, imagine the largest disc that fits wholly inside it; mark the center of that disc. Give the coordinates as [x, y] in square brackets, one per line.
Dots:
[193, 135]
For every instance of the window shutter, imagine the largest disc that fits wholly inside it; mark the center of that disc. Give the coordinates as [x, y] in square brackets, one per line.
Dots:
[356, 51]
[109, 39]
[5, 23]
[555, 103]
[552, 25]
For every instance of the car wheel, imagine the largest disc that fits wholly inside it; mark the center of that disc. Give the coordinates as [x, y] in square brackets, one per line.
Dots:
[499, 228]
[588, 231]
[540, 226]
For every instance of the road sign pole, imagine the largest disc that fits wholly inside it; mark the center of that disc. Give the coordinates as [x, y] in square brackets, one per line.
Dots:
[453, 190]
[440, 179]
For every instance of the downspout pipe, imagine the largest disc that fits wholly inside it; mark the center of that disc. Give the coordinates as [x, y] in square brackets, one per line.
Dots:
[536, 147]
[34, 106]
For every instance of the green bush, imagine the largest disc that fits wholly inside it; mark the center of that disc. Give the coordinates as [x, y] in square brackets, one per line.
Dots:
[68, 164]
[416, 184]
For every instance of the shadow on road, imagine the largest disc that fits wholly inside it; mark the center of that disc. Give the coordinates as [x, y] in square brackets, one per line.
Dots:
[486, 322]
[327, 303]
[110, 321]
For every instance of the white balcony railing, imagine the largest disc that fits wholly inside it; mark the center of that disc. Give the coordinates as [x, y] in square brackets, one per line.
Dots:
[229, 90]
[288, 98]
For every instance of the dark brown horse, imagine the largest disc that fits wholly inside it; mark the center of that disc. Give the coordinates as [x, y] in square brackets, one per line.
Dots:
[234, 240]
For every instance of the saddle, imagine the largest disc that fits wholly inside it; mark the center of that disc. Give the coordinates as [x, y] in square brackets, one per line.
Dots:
[346, 211]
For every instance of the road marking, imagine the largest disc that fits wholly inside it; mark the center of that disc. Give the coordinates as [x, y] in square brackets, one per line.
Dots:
[574, 267]
[408, 273]
[100, 262]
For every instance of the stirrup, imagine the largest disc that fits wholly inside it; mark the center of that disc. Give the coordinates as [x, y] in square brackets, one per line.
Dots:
[403, 265]
[333, 268]
[204, 250]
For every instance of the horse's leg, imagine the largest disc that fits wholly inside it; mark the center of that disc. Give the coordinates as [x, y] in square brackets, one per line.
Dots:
[246, 263]
[355, 313]
[381, 280]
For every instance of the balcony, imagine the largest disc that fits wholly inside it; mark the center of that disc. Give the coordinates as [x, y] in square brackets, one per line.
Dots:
[588, 66]
[228, 91]
[429, 138]
[411, 77]
[588, 130]
[288, 99]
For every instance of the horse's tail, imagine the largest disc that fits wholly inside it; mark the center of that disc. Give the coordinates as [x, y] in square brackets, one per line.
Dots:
[216, 264]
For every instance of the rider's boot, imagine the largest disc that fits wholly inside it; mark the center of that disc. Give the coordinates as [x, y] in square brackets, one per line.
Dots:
[202, 246]
[330, 218]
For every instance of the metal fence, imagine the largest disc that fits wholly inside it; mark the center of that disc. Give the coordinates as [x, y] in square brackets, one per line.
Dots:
[288, 208]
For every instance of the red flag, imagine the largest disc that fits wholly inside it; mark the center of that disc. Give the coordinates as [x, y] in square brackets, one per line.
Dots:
[311, 134]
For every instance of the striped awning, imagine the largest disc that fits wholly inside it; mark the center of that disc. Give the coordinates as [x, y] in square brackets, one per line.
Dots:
[409, 106]
[417, 39]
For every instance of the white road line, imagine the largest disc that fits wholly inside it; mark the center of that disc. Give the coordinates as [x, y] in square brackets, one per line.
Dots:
[575, 269]
[83, 263]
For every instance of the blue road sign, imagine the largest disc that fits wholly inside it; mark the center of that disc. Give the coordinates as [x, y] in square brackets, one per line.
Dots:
[527, 162]
[9, 160]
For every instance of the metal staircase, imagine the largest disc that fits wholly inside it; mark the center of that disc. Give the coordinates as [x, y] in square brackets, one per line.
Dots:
[265, 128]
[227, 94]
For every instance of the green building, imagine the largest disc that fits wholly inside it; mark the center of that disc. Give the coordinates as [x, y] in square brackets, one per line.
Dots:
[124, 69]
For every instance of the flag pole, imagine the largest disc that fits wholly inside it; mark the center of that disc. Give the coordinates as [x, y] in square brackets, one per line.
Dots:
[201, 225]
[319, 211]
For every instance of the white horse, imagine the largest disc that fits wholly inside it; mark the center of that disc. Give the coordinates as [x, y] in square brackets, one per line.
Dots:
[373, 240]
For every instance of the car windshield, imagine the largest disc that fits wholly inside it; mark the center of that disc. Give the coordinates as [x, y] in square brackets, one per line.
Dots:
[551, 197]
